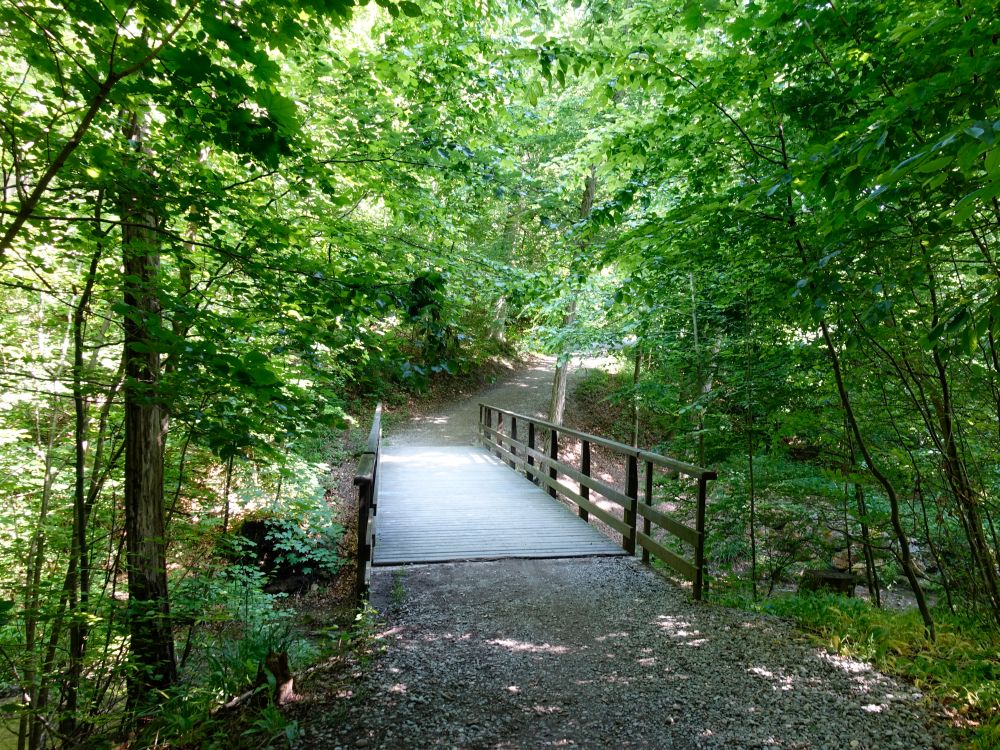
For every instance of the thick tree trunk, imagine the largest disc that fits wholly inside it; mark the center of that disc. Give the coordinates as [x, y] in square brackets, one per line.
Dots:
[152, 645]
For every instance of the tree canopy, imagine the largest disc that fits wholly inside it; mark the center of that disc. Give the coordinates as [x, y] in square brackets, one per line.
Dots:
[227, 228]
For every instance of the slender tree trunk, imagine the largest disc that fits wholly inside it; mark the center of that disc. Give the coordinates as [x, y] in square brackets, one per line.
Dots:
[229, 479]
[905, 558]
[871, 572]
[78, 574]
[945, 583]
[152, 644]
[498, 322]
[557, 404]
[965, 495]
[636, 375]
[938, 412]
[751, 488]
[31, 733]
[700, 413]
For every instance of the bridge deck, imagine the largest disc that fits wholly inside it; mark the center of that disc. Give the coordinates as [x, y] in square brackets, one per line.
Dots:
[461, 503]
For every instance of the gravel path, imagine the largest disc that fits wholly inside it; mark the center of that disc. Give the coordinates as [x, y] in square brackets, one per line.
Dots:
[602, 653]
[594, 653]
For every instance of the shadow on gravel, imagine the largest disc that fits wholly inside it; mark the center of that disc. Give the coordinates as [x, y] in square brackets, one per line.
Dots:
[601, 653]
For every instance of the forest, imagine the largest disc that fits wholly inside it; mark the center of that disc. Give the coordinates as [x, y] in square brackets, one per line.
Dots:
[228, 229]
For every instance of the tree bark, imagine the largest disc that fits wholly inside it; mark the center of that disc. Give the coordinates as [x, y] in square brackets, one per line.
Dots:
[905, 559]
[636, 376]
[557, 405]
[78, 574]
[152, 645]
[965, 496]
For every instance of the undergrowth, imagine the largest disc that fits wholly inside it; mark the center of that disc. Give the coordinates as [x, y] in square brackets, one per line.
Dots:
[187, 717]
[960, 669]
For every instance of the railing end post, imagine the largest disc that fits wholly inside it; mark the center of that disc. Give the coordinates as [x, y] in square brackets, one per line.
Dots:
[699, 551]
[632, 511]
[366, 480]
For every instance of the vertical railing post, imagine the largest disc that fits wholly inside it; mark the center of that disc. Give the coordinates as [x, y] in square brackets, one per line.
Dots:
[646, 523]
[699, 548]
[479, 427]
[554, 455]
[366, 480]
[585, 470]
[531, 446]
[364, 552]
[631, 511]
[513, 436]
[499, 435]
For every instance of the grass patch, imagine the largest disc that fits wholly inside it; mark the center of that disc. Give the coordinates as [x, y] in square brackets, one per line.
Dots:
[961, 669]
[398, 590]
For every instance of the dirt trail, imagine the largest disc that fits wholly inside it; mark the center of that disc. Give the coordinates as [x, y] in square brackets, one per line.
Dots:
[592, 653]
[527, 391]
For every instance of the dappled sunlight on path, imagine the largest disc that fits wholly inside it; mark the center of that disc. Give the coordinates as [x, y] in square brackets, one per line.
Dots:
[527, 391]
[604, 653]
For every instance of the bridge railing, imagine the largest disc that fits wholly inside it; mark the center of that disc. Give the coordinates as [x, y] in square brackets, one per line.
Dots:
[366, 480]
[531, 445]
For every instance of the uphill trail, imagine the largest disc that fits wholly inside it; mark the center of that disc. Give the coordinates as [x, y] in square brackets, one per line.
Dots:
[592, 653]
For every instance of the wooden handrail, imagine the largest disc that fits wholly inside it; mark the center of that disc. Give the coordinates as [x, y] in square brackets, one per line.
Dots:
[627, 450]
[366, 480]
[542, 465]
[375, 434]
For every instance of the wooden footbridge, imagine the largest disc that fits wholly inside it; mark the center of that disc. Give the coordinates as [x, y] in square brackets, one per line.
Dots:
[514, 495]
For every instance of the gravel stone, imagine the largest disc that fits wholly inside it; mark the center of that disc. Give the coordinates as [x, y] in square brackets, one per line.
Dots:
[601, 653]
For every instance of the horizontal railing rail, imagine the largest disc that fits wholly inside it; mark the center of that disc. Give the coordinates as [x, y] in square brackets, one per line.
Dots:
[531, 445]
[366, 480]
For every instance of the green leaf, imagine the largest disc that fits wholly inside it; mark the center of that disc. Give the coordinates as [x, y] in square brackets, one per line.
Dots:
[993, 161]
[935, 164]
[410, 9]
[969, 339]
[967, 156]
[957, 321]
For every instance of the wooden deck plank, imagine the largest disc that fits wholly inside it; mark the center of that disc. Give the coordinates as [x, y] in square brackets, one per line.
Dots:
[462, 503]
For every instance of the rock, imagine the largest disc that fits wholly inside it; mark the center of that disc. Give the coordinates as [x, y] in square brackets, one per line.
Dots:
[832, 580]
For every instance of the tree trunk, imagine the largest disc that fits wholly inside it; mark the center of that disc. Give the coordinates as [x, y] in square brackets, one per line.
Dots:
[965, 496]
[871, 572]
[225, 495]
[152, 645]
[557, 405]
[32, 726]
[498, 322]
[751, 484]
[78, 574]
[905, 559]
[636, 376]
